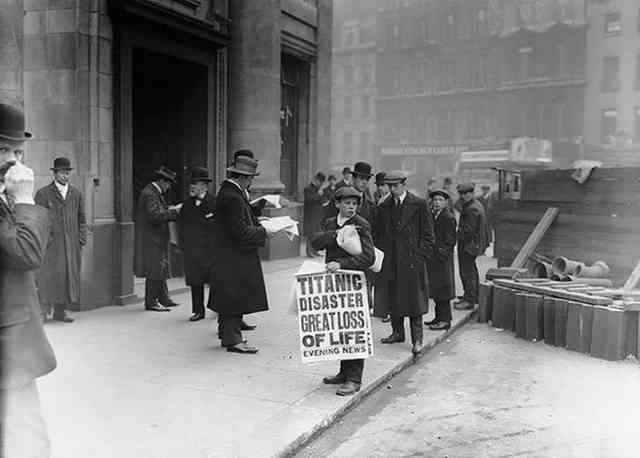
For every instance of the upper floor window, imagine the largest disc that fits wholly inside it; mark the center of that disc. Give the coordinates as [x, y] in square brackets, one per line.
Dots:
[366, 73]
[350, 36]
[365, 106]
[610, 74]
[348, 107]
[613, 22]
[480, 22]
[609, 125]
[348, 75]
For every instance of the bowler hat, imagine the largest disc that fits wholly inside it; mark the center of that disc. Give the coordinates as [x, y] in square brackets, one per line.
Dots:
[362, 169]
[12, 123]
[465, 187]
[61, 163]
[347, 191]
[166, 174]
[380, 178]
[439, 192]
[242, 152]
[397, 176]
[244, 165]
[199, 174]
[346, 170]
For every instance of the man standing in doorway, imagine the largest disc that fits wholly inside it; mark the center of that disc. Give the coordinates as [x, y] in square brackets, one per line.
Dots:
[472, 242]
[25, 352]
[314, 200]
[151, 257]
[404, 232]
[59, 277]
[195, 228]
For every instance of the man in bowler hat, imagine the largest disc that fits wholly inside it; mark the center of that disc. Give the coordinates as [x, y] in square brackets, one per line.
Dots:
[151, 257]
[195, 229]
[25, 352]
[59, 277]
[361, 177]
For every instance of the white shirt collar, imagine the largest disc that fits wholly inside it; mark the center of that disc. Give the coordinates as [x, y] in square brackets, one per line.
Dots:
[63, 188]
[341, 220]
[402, 197]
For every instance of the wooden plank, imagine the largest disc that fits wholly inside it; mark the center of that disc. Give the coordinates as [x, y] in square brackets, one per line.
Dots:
[536, 236]
[632, 281]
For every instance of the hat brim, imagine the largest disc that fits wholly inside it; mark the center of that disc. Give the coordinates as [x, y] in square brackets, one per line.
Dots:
[164, 176]
[359, 174]
[395, 181]
[57, 169]
[242, 172]
[25, 136]
[444, 194]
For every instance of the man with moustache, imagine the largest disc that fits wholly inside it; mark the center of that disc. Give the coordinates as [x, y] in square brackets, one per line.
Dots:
[25, 352]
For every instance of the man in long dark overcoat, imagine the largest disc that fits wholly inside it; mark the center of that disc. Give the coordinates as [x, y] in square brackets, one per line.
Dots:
[196, 231]
[314, 200]
[442, 286]
[472, 242]
[404, 232]
[59, 277]
[238, 282]
[25, 352]
[151, 257]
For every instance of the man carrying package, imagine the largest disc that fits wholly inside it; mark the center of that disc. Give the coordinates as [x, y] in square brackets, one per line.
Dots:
[347, 200]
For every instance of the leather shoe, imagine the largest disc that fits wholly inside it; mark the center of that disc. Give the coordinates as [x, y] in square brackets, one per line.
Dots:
[246, 327]
[440, 326]
[197, 317]
[62, 317]
[348, 388]
[464, 305]
[386, 319]
[156, 308]
[335, 380]
[429, 323]
[393, 338]
[171, 304]
[242, 348]
[416, 348]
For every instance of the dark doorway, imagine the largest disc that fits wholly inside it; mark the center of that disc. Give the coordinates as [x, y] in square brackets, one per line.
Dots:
[169, 119]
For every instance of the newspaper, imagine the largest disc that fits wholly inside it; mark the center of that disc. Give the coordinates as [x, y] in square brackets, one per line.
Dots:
[284, 224]
[273, 199]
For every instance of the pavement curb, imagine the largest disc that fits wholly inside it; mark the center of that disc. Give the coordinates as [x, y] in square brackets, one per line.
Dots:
[356, 399]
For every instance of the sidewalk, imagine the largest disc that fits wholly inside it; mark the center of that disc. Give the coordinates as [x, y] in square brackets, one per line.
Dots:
[136, 384]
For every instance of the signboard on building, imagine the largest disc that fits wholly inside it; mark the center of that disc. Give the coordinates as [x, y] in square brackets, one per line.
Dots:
[333, 316]
[422, 150]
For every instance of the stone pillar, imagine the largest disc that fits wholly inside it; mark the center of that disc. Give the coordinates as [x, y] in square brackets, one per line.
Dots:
[324, 80]
[254, 86]
[11, 18]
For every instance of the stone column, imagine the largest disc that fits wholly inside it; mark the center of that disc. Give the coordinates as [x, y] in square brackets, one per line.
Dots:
[11, 60]
[324, 81]
[254, 86]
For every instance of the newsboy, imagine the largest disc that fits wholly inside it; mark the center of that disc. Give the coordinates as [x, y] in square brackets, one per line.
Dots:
[25, 352]
[195, 231]
[404, 232]
[59, 277]
[151, 257]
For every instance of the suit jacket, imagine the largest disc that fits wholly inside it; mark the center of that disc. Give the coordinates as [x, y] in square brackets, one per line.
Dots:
[406, 237]
[472, 229]
[196, 231]
[151, 257]
[326, 240]
[440, 265]
[25, 352]
[238, 282]
[59, 277]
[367, 208]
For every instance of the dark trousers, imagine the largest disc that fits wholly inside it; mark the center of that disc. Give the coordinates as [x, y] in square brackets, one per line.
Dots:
[415, 324]
[443, 310]
[469, 276]
[156, 291]
[229, 329]
[351, 369]
[197, 299]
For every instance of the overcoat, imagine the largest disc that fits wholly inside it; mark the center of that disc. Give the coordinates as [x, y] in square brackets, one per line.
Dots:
[407, 241]
[473, 236]
[325, 239]
[313, 209]
[367, 208]
[237, 279]
[195, 232]
[329, 208]
[59, 277]
[488, 203]
[151, 257]
[442, 285]
[25, 352]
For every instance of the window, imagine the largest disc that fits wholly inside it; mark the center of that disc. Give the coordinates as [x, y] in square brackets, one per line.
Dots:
[525, 71]
[365, 106]
[478, 72]
[637, 124]
[348, 75]
[480, 22]
[610, 74]
[609, 125]
[347, 145]
[443, 129]
[613, 22]
[350, 35]
[423, 31]
[348, 108]
[365, 75]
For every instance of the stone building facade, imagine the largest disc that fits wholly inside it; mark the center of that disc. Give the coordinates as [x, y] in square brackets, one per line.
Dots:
[123, 86]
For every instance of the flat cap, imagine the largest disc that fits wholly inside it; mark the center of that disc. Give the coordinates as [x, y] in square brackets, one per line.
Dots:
[347, 191]
[466, 187]
[396, 176]
[439, 192]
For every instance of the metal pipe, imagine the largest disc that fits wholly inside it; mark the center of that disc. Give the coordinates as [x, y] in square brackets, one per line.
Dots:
[599, 269]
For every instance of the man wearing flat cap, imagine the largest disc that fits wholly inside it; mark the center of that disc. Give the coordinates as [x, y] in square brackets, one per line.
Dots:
[151, 257]
[59, 277]
[472, 242]
[238, 282]
[404, 232]
[195, 234]
[25, 352]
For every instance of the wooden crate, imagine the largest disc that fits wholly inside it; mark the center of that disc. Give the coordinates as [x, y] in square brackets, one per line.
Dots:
[520, 312]
[485, 302]
[579, 326]
[535, 317]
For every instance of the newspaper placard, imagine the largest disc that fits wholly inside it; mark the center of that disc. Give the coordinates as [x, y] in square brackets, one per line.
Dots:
[333, 316]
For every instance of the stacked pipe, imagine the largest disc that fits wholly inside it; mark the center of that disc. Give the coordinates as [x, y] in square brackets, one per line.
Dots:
[564, 269]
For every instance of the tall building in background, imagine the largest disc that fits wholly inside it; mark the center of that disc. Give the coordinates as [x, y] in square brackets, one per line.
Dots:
[454, 75]
[354, 83]
[612, 103]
